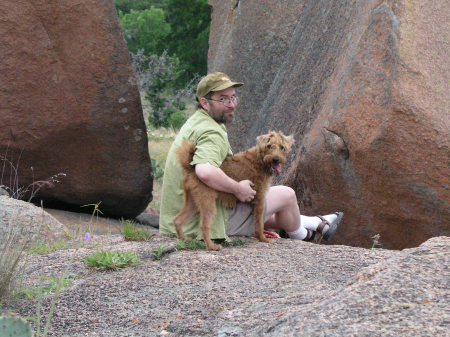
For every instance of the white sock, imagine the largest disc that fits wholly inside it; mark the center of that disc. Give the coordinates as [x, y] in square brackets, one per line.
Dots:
[298, 234]
[311, 222]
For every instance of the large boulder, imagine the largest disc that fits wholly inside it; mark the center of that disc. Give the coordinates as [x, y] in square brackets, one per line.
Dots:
[70, 104]
[363, 86]
[20, 219]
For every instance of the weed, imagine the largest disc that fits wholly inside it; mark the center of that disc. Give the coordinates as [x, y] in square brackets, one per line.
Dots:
[157, 168]
[190, 244]
[236, 242]
[33, 292]
[132, 233]
[196, 244]
[375, 240]
[158, 253]
[11, 249]
[13, 188]
[45, 248]
[181, 244]
[160, 141]
[112, 260]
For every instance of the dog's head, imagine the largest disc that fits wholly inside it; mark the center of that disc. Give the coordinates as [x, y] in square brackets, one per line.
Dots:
[273, 149]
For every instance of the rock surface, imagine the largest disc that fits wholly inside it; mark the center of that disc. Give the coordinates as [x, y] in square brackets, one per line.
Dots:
[363, 86]
[69, 104]
[37, 225]
[288, 288]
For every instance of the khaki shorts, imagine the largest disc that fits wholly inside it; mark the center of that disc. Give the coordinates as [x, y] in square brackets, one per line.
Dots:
[241, 221]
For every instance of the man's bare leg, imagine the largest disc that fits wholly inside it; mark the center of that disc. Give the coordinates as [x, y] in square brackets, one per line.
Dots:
[283, 213]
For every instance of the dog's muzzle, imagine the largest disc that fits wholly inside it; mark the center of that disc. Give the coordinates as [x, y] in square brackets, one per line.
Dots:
[275, 166]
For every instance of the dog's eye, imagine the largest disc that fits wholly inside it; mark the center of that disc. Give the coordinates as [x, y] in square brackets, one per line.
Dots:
[282, 148]
[269, 146]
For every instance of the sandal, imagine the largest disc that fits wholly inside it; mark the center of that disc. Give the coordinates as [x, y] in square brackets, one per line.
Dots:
[332, 227]
[311, 236]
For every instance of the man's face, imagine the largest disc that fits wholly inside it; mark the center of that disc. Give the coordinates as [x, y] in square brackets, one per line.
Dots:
[217, 110]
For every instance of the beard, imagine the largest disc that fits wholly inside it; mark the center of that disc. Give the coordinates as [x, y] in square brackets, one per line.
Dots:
[222, 116]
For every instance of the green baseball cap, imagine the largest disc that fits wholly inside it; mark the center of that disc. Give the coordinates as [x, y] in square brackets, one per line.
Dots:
[215, 82]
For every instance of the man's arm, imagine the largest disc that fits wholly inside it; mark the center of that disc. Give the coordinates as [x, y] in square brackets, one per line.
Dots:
[215, 178]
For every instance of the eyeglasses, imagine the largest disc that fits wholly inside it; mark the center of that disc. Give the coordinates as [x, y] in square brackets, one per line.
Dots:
[226, 101]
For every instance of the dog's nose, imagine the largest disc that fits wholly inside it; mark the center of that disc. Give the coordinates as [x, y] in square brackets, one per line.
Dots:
[275, 160]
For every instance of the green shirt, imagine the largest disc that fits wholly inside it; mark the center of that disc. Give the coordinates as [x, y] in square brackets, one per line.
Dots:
[211, 145]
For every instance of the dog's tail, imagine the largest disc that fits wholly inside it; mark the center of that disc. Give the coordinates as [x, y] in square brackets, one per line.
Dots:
[185, 154]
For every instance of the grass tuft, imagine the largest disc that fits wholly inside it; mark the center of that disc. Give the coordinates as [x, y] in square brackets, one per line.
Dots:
[45, 248]
[132, 233]
[12, 249]
[112, 260]
[159, 142]
[190, 244]
[158, 253]
[33, 292]
[236, 242]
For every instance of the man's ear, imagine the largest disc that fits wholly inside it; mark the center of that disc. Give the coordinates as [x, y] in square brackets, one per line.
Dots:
[205, 104]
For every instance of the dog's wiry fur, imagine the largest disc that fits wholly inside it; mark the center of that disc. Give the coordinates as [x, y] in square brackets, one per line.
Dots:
[256, 164]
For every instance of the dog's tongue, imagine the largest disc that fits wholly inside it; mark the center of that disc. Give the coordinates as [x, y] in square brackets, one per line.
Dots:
[277, 167]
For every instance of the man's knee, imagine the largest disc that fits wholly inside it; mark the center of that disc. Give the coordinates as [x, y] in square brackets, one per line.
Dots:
[286, 194]
[291, 197]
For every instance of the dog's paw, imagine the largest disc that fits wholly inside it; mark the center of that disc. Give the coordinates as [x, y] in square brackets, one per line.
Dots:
[214, 247]
[264, 239]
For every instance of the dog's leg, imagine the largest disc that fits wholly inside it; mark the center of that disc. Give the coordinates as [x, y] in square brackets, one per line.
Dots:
[259, 221]
[187, 212]
[207, 213]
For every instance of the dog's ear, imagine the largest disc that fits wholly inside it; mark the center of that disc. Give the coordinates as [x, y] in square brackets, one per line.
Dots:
[289, 140]
[263, 139]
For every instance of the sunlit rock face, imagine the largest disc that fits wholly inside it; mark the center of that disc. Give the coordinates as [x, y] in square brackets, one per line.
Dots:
[364, 87]
[69, 104]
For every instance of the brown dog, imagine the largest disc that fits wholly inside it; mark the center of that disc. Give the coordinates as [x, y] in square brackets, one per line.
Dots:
[256, 164]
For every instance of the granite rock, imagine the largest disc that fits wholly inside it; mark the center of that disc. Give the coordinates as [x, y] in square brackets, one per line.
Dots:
[70, 104]
[363, 86]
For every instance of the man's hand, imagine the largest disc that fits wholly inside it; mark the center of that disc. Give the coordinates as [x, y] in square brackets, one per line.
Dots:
[245, 192]
[215, 178]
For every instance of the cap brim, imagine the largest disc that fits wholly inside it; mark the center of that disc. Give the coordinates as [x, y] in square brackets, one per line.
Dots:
[227, 85]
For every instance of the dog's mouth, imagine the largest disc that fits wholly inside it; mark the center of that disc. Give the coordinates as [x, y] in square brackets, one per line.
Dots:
[275, 167]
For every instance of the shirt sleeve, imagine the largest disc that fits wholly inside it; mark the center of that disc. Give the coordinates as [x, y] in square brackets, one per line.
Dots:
[211, 147]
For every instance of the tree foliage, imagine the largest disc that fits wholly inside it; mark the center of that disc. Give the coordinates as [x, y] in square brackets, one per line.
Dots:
[145, 30]
[157, 74]
[125, 6]
[190, 22]
[168, 42]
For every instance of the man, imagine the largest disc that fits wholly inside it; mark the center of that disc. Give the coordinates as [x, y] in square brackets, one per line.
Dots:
[217, 102]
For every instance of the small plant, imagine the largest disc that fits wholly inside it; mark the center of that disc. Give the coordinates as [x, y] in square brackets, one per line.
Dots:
[181, 244]
[375, 240]
[112, 260]
[45, 248]
[11, 248]
[158, 253]
[132, 233]
[196, 244]
[190, 244]
[236, 242]
[158, 171]
[33, 292]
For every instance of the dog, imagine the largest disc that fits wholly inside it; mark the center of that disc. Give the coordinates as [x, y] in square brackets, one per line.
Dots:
[257, 164]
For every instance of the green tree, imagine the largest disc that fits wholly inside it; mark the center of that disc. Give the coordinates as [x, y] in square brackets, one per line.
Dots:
[145, 29]
[125, 6]
[156, 76]
[188, 40]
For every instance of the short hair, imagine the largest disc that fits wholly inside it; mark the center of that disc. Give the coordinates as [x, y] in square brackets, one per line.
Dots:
[207, 96]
